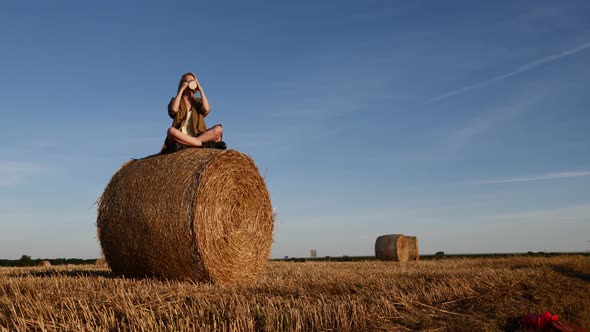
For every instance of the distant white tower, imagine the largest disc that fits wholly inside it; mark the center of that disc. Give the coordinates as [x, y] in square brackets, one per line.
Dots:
[313, 253]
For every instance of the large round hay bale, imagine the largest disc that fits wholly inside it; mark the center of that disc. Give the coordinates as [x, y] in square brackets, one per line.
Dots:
[392, 247]
[197, 214]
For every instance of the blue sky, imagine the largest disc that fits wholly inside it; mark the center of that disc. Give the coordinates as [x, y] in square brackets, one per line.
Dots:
[464, 123]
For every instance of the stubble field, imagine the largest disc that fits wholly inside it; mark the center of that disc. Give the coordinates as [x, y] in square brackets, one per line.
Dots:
[442, 295]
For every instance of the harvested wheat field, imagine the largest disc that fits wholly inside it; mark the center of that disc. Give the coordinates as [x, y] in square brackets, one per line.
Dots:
[442, 295]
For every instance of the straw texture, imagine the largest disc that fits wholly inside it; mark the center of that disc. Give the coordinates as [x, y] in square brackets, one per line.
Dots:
[197, 214]
[413, 252]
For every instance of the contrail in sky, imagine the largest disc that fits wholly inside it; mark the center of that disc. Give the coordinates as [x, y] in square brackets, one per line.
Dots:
[524, 68]
[549, 176]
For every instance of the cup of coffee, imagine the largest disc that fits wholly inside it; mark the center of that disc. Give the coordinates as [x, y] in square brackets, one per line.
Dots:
[192, 85]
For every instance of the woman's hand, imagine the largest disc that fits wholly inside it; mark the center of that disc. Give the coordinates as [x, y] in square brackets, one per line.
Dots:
[183, 87]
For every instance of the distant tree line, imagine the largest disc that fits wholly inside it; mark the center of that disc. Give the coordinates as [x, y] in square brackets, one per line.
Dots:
[437, 255]
[26, 260]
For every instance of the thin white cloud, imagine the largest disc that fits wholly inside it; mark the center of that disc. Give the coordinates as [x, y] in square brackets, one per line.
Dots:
[480, 128]
[524, 68]
[374, 15]
[542, 177]
[572, 213]
[18, 166]
[16, 172]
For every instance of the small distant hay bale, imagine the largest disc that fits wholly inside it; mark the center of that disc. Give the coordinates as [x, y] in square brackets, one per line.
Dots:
[197, 214]
[397, 247]
[392, 247]
[44, 263]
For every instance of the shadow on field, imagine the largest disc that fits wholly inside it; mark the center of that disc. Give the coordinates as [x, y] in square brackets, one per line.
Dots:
[568, 272]
[58, 273]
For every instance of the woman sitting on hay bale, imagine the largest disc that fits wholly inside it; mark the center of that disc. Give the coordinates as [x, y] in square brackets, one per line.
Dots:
[188, 112]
